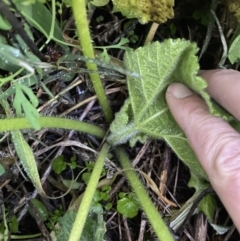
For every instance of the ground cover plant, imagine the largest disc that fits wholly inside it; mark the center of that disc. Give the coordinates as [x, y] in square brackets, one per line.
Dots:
[75, 88]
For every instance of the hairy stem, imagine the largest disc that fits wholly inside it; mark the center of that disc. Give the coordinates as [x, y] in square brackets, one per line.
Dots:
[52, 122]
[84, 207]
[80, 16]
[148, 207]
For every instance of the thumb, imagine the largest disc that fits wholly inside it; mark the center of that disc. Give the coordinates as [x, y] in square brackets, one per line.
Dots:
[215, 143]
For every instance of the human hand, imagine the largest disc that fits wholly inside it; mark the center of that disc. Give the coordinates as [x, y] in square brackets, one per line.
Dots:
[215, 142]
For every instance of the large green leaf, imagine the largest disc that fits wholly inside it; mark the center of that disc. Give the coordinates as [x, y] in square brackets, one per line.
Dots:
[146, 114]
[94, 228]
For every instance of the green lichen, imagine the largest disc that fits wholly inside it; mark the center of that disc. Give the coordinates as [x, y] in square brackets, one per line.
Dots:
[234, 8]
[145, 10]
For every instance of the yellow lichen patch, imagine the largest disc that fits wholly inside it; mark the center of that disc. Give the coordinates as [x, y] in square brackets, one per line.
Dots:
[145, 10]
[234, 8]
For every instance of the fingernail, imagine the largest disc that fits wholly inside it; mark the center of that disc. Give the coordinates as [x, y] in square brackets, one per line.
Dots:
[179, 91]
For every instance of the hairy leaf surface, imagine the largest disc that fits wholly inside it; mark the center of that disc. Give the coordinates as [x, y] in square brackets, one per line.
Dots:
[146, 115]
[94, 228]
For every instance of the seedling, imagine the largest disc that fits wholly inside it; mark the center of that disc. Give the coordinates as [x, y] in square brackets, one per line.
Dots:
[128, 205]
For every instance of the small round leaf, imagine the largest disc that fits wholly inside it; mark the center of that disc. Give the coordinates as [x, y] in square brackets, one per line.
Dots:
[128, 207]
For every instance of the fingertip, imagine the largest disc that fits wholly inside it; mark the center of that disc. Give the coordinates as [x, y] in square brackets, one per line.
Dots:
[185, 105]
[178, 90]
[223, 86]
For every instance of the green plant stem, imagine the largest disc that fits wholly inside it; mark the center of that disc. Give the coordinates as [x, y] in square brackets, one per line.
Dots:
[148, 207]
[4, 80]
[30, 236]
[51, 33]
[80, 16]
[52, 122]
[84, 207]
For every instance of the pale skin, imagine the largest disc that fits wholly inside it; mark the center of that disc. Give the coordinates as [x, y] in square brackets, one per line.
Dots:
[215, 142]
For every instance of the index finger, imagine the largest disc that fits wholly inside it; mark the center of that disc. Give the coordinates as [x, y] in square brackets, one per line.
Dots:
[224, 88]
